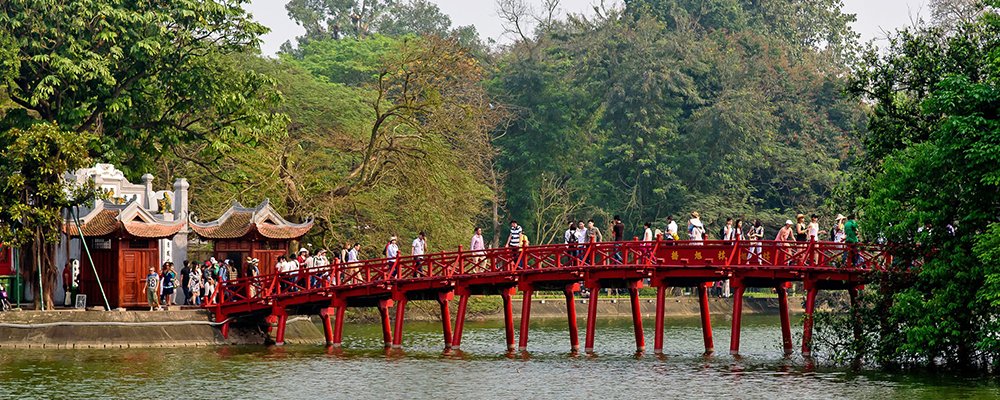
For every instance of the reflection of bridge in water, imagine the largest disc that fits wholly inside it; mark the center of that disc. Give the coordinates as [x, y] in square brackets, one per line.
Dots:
[380, 283]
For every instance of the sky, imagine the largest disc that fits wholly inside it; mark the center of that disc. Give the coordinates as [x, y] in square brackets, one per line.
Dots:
[874, 17]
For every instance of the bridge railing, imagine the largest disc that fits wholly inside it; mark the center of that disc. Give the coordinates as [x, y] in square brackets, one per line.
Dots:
[716, 253]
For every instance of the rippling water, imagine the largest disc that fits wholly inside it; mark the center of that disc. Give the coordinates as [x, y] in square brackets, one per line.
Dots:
[362, 370]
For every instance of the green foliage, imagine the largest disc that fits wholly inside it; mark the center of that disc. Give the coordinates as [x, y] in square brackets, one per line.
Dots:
[671, 106]
[385, 137]
[933, 151]
[32, 192]
[143, 75]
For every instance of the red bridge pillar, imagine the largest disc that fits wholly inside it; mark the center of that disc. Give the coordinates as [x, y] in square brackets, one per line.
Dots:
[574, 338]
[522, 339]
[595, 289]
[508, 316]
[383, 312]
[325, 315]
[397, 339]
[734, 341]
[443, 299]
[463, 302]
[633, 294]
[277, 321]
[807, 324]
[786, 326]
[661, 294]
[706, 322]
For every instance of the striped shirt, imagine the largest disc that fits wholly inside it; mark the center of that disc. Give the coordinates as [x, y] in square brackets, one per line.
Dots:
[515, 236]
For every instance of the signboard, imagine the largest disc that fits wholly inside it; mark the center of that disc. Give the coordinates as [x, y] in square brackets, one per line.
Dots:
[6, 261]
[102, 244]
[81, 301]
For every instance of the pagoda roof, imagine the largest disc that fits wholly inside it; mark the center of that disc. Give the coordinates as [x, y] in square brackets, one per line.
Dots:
[239, 221]
[108, 218]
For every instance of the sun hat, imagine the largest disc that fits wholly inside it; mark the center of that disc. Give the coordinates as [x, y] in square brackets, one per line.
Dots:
[840, 217]
[788, 222]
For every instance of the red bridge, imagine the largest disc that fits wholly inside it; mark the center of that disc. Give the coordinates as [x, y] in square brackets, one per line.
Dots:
[383, 283]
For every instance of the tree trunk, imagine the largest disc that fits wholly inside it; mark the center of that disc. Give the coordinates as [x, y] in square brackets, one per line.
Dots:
[43, 259]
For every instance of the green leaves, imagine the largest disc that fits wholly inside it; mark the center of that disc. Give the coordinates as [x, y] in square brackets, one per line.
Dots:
[934, 159]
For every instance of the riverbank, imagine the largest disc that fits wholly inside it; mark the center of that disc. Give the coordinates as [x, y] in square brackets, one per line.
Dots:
[78, 329]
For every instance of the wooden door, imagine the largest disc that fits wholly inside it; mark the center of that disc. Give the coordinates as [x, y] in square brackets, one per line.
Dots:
[135, 265]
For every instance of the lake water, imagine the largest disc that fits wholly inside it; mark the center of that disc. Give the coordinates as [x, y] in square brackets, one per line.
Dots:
[363, 370]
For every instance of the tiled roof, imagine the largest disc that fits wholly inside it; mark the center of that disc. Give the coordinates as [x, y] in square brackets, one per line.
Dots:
[273, 231]
[102, 224]
[107, 220]
[236, 225]
[239, 221]
[152, 231]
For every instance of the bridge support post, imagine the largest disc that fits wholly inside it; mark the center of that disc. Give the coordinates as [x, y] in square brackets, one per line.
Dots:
[706, 322]
[397, 339]
[463, 302]
[807, 324]
[661, 294]
[278, 319]
[633, 294]
[508, 317]
[443, 299]
[522, 339]
[383, 312]
[595, 290]
[324, 315]
[786, 325]
[574, 337]
[855, 314]
[338, 324]
[734, 341]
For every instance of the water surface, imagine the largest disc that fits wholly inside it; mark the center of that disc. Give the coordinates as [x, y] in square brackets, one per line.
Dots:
[483, 370]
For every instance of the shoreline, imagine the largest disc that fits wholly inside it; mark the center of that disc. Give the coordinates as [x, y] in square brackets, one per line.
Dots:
[177, 327]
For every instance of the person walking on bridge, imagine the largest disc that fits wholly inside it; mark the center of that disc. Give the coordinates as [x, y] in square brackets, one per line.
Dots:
[391, 255]
[851, 237]
[478, 248]
[593, 233]
[755, 234]
[514, 240]
[418, 249]
[570, 238]
[618, 234]
[786, 235]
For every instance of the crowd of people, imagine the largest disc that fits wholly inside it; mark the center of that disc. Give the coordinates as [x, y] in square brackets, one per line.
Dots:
[198, 281]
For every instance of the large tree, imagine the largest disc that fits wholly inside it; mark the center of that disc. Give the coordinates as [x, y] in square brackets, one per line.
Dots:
[130, 81]
[931, 185]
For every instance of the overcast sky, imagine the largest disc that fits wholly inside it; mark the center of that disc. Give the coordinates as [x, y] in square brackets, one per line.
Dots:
[874, 17]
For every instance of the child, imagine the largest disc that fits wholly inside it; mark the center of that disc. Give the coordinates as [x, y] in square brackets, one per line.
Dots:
[152, 295]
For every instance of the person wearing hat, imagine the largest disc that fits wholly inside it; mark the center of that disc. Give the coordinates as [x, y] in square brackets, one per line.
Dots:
[837, 233]
[785, 235]
[801, 229]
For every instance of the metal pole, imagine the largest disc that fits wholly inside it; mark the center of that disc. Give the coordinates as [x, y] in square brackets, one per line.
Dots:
[38, 266]
[83, 240]
[17, 277]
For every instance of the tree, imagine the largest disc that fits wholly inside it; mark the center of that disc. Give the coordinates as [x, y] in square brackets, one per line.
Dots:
[132, 80]
[934, 147]
[33, 194]
[360, 19]
[386, 136]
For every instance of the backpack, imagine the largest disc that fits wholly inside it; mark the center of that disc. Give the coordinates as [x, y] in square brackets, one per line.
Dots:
[722, 233]
[572, 237]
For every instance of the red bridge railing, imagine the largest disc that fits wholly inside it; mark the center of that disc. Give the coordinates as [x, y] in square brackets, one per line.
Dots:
[461, 264]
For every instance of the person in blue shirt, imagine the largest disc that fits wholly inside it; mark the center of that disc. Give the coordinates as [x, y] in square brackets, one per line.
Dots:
[169, 280]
